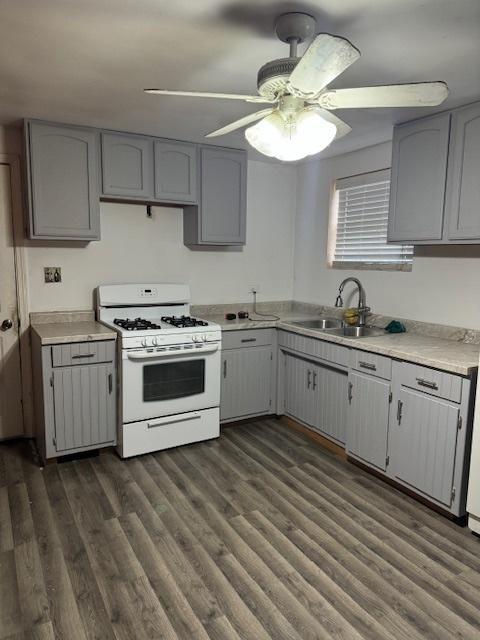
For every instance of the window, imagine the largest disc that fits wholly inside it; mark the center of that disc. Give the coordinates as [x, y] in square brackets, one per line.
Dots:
[359, 219]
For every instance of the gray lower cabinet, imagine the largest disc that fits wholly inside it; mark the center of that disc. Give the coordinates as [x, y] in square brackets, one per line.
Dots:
[75, 396]
[463, 186]
[424, 442]
[220, 217]
[315, 394]
[247, 370]
[367, 419]
[62, 181]
[127, 166]
[175, 171]
[419, 172]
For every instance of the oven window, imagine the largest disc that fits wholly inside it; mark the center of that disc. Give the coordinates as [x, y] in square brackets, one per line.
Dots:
[170, 380]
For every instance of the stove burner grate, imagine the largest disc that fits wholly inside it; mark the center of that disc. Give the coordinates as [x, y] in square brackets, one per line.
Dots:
[139, 324]
[182, 322]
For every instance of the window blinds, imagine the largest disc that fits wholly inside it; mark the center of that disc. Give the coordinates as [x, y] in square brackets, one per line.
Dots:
[362, 219]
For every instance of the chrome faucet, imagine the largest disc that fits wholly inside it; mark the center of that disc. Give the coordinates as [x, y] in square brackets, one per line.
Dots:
[362, 299]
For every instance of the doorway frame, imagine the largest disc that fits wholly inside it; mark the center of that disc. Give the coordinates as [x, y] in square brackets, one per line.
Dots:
[21, 287]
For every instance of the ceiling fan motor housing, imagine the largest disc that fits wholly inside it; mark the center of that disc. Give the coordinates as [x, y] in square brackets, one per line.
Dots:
[273, 76]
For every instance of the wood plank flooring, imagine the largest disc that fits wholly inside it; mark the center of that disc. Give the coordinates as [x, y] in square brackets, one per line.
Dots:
[259, 534]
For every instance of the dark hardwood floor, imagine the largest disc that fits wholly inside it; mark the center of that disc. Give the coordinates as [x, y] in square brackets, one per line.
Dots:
[259, 534]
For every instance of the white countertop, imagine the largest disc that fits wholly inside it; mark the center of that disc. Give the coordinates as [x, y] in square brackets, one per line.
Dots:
[448, 355]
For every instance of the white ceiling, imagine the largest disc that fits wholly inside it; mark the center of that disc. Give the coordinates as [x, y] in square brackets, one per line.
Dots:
[86, 61]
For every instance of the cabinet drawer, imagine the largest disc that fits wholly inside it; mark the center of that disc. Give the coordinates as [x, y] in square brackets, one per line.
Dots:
[373, 364]
[317, 348]
[436, 383]
[80, 353]
[246, 338]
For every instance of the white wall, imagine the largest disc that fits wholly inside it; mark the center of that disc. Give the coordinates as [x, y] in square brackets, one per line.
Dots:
[134, 248]
[443, 286]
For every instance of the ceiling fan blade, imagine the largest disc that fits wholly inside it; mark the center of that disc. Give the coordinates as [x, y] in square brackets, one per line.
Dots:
[420, 94]
[202, 94]
[342, 127]
[325, 59]
[240, 123]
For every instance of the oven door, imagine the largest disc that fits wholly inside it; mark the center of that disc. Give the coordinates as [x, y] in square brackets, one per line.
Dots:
[162, 383]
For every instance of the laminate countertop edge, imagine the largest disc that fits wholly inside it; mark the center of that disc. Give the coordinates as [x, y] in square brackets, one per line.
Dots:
[66, 332]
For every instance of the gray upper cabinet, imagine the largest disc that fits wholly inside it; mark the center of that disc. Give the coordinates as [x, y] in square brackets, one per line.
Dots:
[63, 185]
[463, 186]
[220, 218]
[175, 171]
[419, 171]
[127, 166]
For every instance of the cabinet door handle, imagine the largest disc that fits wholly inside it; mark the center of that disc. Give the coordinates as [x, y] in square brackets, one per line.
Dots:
[367, 365]
[309, 378]
[248, 340]
[110, 383]
[224, 368]
[83, 355]
[399, 411]
[427, 383]
[314, 386]
[350, 392]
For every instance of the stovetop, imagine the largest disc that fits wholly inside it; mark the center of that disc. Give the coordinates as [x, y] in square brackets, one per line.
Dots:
[166, 322]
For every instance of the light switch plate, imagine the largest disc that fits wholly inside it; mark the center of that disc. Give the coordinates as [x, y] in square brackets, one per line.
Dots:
[52, 274]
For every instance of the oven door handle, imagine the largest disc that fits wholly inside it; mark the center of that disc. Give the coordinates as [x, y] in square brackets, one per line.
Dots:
[143, 355]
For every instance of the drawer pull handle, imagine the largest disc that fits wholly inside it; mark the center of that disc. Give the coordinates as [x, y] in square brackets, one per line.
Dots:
[314, 386]
[309, 378]
[350, 390]
[224, 368]
[367, 365]
[84, 355]
[167, 421]
[427, 383]
[248, 340]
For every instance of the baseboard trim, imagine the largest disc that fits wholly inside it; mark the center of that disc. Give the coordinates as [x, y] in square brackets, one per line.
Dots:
[334, 448]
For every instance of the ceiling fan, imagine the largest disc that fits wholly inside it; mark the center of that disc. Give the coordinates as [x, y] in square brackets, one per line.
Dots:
[299, 121]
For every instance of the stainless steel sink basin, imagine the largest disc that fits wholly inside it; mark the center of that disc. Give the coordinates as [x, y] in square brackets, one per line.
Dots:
[356, 332]
[319, 323]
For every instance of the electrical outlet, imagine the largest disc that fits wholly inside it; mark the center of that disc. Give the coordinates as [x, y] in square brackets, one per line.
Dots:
[52, 274]
[254, 288]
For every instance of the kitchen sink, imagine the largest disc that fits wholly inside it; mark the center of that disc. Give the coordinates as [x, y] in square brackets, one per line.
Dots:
[320, 323]
[356, 332]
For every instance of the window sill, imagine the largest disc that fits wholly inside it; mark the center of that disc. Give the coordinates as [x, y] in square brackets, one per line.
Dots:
[371, 266]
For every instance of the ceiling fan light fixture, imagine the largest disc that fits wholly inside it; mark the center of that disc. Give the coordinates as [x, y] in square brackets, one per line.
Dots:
[293, 137]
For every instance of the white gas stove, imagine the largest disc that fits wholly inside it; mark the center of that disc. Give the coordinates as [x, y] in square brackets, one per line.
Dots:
[169, 366]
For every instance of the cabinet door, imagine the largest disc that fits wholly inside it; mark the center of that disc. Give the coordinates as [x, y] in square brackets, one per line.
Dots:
[424, 440]
[175, 171]
[463, 186]
[127, 166]
[367, 420]
[84, 406]
[329, 398]
[419, 171]
[63, 182]
[298, 397]
[246, 382]
[223, 199]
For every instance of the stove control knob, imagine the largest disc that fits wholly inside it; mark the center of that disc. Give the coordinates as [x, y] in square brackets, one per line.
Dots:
[144, 342]
[204, 337]
[154, 342]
